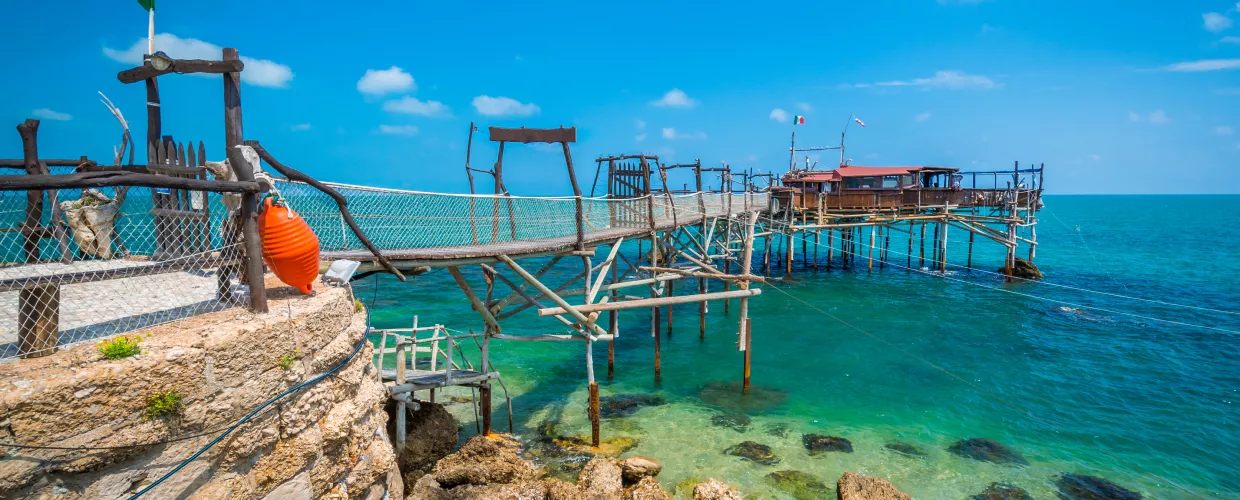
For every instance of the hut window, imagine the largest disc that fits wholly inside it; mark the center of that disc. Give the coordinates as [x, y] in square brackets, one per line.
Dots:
[906, 180]
[891, 182]
[852, 183]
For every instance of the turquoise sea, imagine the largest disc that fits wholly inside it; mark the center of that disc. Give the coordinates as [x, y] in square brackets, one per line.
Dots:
[929, 359]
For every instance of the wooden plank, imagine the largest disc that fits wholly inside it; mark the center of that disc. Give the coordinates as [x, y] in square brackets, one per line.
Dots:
[183, 66]
[652, 302]
[528, 135]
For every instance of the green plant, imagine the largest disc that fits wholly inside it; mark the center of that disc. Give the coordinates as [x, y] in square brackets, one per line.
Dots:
[120, 347]
[358, 306]
[162, 404]
[287, 360]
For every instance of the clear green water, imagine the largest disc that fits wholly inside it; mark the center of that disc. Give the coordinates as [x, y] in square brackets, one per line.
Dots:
[1090, 392]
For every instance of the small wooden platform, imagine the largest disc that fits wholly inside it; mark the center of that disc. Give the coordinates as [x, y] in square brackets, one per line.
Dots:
[422, 380]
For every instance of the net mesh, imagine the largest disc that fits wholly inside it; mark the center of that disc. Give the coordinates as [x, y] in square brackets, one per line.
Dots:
[88, 264]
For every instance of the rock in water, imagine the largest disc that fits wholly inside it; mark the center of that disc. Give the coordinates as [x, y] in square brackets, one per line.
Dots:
[714, 489]
[646, 489]
[853, 486]
[1082, 487]
[636, 468]
[799, 485]
[431, 434]
[735, 421]
[728, 395]
[905, 449]
[754, 452]
[608, 447]
[602, 477]
[818, 443]
[1002, 491]
[987, 450]
[482, 460]
[777, 430]
[1023, 269]
[623, 405]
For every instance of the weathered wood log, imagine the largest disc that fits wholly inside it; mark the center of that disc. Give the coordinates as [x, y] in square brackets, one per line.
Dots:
[183, 66]
[29, 131]
[50, 163]
[527, 135]
[122, 178]
[342, 203]
[652, 302]
[38, 320]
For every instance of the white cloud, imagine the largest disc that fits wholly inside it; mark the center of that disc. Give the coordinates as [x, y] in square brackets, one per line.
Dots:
[1234, 40]
[385, 81]
[412, 106]
[300, 127]
[675, 98]
[1223, 130]
[260, 72]
[48, 114]
[954, 80]
[1134, 116]
[640, 137]
[805, 107]
[922, 117]
[671, 134]
[503, 106]
[1158, 116]
[1203, 65]
[398, 129]
[779, 115]
[1215, 22]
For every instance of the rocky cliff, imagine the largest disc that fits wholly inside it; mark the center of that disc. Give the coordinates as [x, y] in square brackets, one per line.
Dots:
[327, 440]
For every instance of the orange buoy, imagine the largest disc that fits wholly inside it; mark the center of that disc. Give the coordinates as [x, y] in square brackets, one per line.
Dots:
[290, 248]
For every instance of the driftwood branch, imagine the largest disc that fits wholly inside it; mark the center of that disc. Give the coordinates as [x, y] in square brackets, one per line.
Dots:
[295, 175]
[121, 178]
[183, 66]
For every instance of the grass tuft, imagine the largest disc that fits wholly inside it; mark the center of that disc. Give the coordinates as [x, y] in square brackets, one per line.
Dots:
[120, 347]
[162, 404]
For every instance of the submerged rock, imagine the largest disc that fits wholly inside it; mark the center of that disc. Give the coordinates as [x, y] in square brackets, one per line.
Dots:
[987, 450]
[625, 425]
[714, 489]
[798, 484]
[1002, 491]
[818, 443]
[1082, 487]
[623, 405]
[728, 395]
[777, 430]
[1023, 269]
[735, 421]
[483, 460]
[607, 447]
[853, 486]
[754, 452]
[905, 449]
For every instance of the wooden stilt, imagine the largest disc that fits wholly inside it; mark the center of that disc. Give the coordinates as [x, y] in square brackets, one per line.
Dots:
[484, 406]
[1011, 252]
[970, 262]
[817, 236]
[873, 229]
[1033, 241]
[886, 246]
[592, 412]
[790, 248]
[804, 254]
[744, 326]
[921, 255]
[671, 291]
[702, 288]
[830, 247]
[910, 245]
[943, 248]
[934, 251]
[613, 326]
[654, 311]
[748, 328]
[727, 269]
[400, 405]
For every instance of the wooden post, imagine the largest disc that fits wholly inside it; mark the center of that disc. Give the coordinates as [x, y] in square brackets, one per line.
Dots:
[654, 311]
[934, 251]
[921, 255]
[484, 404]
[401, 410]
[153, 120]
[702, 309]
[970, 262]
[789, 248]
[748, 348]
[1011, 252]
[727, 269]
[613, 326]
[830, 247]
[882, 262]
[592, 411]
[871, 256]
[744, 326]
[38, 320]
[1033, 241]
[817, 236]
[233, 137]
[943, 248]
[32, 227]
[671, 291]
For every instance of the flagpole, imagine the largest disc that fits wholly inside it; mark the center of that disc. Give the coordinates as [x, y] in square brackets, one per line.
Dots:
[792, 150]
[150, 33]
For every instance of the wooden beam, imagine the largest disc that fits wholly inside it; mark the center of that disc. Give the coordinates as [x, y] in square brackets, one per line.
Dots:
[652, 302]
[473, 298]
[117, 178]
[577, 315]
[528, 135]
[183, 66]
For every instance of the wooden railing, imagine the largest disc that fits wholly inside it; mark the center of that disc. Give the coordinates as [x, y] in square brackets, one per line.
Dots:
[906, 198]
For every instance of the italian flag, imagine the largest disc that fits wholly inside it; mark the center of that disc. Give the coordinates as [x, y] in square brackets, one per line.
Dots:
[798, 120]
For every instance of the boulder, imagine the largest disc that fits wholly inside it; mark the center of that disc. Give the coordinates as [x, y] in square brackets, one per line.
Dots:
[562, 490]
[730, 396]
[818, 443]
[1082, 487]
[483, 460]
[602, 477]
[525, 490]
[798, 485]
[714, 489]
[637, 468]
[623, 405]
[905, 449]
[735, 421]
[853, 486]
[426, 488]
[1002, 491]
[646, 489]
[754, 452]
[431, 434]
[1023, 269]
[986, 450]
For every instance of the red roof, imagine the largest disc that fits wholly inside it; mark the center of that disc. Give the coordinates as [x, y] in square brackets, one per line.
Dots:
[855, 171]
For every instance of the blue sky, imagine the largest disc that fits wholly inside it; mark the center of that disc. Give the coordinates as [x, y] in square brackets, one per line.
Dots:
[1114, 97]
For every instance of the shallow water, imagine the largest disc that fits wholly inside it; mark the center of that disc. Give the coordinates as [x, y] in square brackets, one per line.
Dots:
[932, 359]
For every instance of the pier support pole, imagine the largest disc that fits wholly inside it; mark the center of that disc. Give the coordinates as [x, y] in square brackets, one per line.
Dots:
[1011, 252]
[654, 314]
[970, 261]
[613, 326]
[909, 254]
[744, 327]
[873, 229]
[400, 405]
[817, 237]
[830, 247]
[484, 406]
[1033, 241]
[943, 248]
[592, 412]
[788, 252]
[934, 252]
[727, 269]
[671, 290]
[921, 255]
[702, 288]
